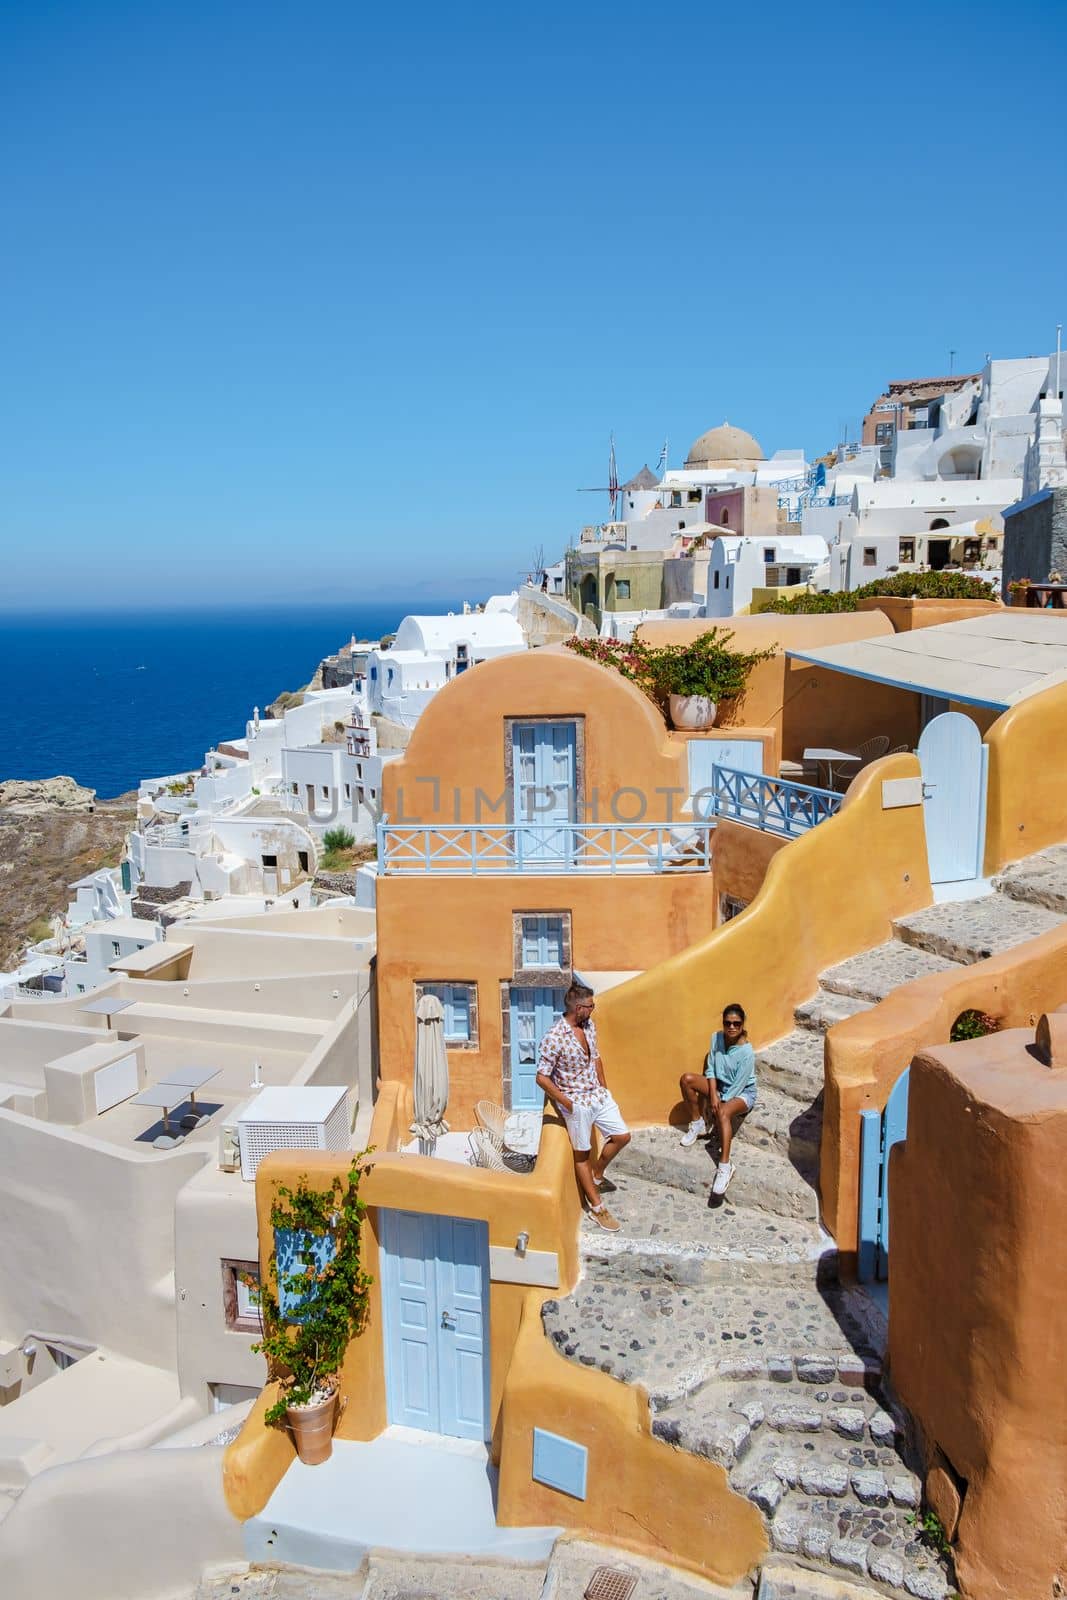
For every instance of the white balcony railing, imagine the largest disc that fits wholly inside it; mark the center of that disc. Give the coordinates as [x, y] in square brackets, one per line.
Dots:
[543, 847]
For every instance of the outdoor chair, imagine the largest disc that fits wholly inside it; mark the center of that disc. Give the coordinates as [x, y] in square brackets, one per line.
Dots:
[900, 750]
[872, 750]
[491, 1119]
[484, 1152]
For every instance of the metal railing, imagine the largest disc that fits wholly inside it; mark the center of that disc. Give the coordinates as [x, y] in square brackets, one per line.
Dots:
[771, 804]
[546, 847]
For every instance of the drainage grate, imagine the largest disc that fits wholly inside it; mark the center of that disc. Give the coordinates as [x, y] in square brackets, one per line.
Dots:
[610, 1583]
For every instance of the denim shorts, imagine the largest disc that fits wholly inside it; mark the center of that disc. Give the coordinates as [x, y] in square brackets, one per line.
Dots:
[747, 1095]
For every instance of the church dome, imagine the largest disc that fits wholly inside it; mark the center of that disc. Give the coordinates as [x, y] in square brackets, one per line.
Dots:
[722, 445]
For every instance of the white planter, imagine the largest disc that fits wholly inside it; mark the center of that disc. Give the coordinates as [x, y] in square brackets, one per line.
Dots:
[692, 712]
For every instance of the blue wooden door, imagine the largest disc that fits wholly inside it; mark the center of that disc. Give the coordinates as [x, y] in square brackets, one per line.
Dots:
[435, 1300]
[879, 1132]
[462, 1297]
[743, 755]
[953, 761]
[409, 1299]
[533, 1011]
[544, 796]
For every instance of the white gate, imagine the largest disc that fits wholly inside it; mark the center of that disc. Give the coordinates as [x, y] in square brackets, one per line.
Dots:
[953, 760]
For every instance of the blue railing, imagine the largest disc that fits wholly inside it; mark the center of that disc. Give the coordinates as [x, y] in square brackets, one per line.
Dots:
[771, 804]
[548, 847]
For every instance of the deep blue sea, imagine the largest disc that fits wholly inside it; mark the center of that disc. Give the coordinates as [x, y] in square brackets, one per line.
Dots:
[112, 699]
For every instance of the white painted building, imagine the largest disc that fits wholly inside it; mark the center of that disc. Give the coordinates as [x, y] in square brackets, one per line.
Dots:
[429, 652]
[738, 566]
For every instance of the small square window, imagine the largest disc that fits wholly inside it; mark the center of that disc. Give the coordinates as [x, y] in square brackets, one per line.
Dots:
[768, 552]
[116, 948]
[541, 942]
[907, 550]
[676, 497]
[459, 1002]
[693, 497]
[622, 589]
[240, 1296]
[870, 556]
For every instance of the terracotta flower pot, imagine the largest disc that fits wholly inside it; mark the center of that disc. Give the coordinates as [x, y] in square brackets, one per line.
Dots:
[312, 1429]
[692, 712]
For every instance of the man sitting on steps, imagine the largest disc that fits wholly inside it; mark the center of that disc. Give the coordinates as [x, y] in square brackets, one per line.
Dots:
[571, 1073]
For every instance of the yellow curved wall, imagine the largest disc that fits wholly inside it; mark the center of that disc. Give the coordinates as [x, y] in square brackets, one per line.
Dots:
[830, 893]
[1026, 807]
[641, 1493]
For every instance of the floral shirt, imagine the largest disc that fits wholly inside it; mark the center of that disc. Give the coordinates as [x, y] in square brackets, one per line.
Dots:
[564, 1061]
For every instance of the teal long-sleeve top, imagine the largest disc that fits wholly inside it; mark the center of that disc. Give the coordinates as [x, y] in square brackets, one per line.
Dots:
[732, 1066]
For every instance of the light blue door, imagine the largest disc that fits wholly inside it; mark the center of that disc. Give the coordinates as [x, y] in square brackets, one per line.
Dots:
[435, 1299]
[462, 1298]
[544, 794]
[879, 1132]
[743, 755]
[953, 760]
[533, 1011]
[409, 1298]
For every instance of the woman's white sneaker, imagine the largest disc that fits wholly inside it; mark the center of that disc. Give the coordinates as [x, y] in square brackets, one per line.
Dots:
[696, 1130]
[723, 1173]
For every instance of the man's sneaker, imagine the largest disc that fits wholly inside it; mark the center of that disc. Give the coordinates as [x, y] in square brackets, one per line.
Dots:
[723, 1173]
[696, 1130]
[604, 1219]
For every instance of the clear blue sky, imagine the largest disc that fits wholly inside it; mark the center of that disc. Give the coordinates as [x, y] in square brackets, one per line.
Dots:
[318, 300]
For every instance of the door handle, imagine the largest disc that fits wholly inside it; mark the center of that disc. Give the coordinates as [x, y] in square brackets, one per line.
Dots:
[928, 789]
[448, 1321]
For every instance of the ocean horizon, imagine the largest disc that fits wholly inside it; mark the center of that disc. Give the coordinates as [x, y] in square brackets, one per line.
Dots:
[112, 699]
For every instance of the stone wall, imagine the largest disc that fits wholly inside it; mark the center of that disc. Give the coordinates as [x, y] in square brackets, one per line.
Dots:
[1035, 538]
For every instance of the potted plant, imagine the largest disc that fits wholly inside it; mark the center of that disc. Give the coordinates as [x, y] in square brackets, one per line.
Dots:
[692, 680]
[687, 680]
[313, 1304]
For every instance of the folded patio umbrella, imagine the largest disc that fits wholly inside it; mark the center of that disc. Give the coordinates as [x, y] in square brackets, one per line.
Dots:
[431, 1074]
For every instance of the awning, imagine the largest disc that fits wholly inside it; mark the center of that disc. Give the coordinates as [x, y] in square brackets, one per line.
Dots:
[994, 660]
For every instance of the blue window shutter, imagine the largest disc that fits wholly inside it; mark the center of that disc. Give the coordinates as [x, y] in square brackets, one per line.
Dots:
[459, 1021]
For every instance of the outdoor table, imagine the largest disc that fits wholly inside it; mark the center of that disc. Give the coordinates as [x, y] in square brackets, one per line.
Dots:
[163, 1096]
[104, 1007]
[192, 1079]
[827, 758]
[522, 1132]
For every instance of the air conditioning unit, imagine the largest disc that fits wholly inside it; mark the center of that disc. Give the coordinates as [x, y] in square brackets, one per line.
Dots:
[292, 1119]
[229, 1140]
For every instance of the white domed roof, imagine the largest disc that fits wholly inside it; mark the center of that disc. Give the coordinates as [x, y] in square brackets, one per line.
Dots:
[723, 444]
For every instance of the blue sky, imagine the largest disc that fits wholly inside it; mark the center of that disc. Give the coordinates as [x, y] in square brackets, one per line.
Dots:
[324, 300]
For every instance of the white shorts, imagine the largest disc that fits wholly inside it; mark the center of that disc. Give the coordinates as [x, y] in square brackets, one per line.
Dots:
[603, 1114]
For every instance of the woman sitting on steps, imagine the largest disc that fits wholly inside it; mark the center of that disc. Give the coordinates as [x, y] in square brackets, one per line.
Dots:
[729, 1088]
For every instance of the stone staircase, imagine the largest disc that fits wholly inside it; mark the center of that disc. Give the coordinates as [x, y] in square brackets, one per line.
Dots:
[729, 1312]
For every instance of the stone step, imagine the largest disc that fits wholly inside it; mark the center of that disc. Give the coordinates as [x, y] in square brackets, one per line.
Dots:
[765, 1178]
[672, 1232]
[777, 1119]
[793, 1065]
[722, 1418]
[825, 1009]
[862, 1541]
[674, 1338]
[971, 930]
[780, 1578]
[876, 973]
[1040, 879]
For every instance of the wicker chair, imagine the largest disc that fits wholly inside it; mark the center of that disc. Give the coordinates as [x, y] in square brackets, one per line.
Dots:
[484, 1152]
[873, 749]
[900, 750]
[491, 1119]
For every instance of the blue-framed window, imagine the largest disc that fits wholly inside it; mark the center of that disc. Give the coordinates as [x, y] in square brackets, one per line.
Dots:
[459, 1002]
[542, 941]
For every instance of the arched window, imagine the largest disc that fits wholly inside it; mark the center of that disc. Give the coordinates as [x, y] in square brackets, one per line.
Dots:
[938, 522]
